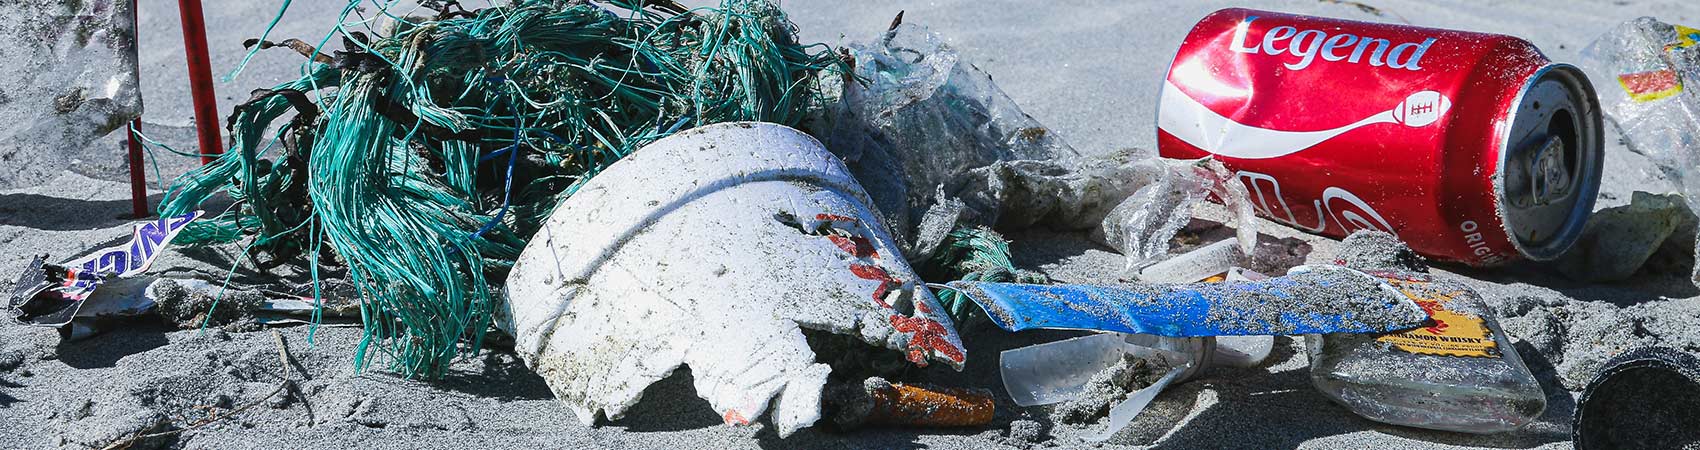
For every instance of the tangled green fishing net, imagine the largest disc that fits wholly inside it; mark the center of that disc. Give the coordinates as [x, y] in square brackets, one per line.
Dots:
[426, 155]
[975, 253]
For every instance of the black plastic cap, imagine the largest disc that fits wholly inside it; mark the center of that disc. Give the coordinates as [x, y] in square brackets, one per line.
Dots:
[1645, 398]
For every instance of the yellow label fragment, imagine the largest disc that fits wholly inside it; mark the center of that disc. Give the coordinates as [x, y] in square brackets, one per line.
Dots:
[1453, 333]
[1685, 37]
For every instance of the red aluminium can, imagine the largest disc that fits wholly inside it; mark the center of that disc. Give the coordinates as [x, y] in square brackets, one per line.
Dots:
[1471, 147]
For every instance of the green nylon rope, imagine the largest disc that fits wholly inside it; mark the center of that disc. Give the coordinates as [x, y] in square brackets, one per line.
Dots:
[427, 155]
[976, 254]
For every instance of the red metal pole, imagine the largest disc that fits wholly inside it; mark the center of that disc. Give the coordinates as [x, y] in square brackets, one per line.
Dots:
[200, 79]
[138, 178]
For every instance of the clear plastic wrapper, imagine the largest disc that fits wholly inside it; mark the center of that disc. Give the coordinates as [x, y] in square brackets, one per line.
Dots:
[1142, 225]
[1649, 77]
[1064, 370]
[914, 116]
[937, 145]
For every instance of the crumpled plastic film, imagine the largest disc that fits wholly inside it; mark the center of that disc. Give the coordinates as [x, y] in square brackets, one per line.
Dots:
[1142, 225]
[1649, 73]
[1619, 240]
[70, 78]
[917, 115]
[937, 144]
[1133, 204]
[1059, 371]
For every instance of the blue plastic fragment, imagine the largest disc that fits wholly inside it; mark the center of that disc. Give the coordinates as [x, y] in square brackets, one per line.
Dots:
[1309, 300]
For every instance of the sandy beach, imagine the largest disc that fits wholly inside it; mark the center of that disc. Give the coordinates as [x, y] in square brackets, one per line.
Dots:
[1089, 70]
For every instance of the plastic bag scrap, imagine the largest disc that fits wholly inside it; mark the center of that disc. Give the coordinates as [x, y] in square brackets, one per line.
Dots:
[70, 79]
[1619, 240]
[1655, 103]
[1133, 205]
[51, 295]
[1142, 225]
[916, 115]
[937, 145]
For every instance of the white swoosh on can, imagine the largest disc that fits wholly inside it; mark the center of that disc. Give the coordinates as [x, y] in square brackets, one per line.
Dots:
[1192, 122]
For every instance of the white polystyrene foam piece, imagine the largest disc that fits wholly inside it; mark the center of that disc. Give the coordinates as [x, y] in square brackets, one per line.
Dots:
[712, 248]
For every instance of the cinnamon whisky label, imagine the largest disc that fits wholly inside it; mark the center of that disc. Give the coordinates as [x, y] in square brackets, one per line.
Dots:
[1453, 333]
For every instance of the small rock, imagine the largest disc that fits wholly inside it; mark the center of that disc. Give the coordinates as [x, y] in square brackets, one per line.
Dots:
[1026, 430]
[223, 401]
[11, 359]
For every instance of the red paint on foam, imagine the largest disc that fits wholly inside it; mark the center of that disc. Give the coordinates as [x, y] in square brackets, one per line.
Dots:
[733, 417]
[872, 272]
[928, 335]
[835, 218]
[859, 247]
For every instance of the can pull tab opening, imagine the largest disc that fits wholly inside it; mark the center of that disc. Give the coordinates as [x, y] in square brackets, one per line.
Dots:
[1549, 173]
[1548, 166]
[1550, 163]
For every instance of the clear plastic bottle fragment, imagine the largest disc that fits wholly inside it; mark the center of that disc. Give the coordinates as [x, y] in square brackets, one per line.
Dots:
[1059, 371]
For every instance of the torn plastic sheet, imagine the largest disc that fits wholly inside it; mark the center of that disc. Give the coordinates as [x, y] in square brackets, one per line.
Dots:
[1132, 204]
[1310, 299]
[916, 115]
[1653, 96]
[1059, 371]
[713, 248]
[1617, 241]
[70, 78]
[117, 299]
[51, 294]
[1142, 225]
[937, 145]
[188, 303]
